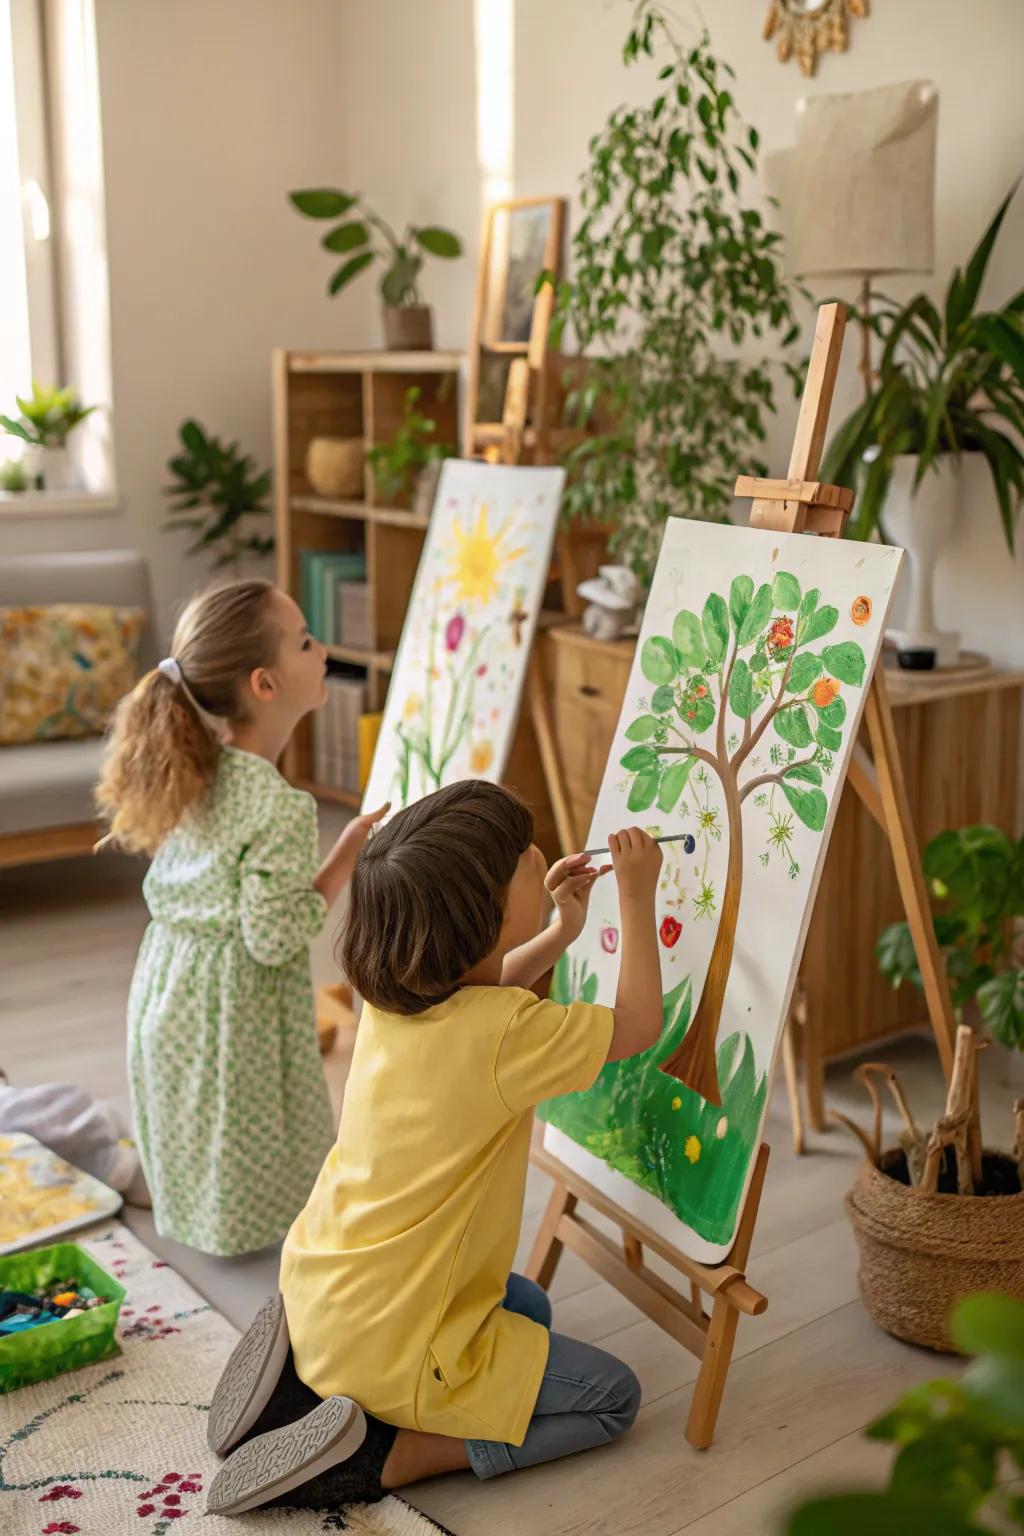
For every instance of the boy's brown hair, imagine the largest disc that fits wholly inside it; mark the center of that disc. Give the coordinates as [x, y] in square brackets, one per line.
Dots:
[427, 898]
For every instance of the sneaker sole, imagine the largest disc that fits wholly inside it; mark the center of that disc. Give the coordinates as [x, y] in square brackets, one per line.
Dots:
[275, 1463]
[249, 1378]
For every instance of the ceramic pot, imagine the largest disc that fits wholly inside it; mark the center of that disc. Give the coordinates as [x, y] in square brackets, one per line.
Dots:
[922, 522]
[408, 328]
[335, 466]
[50, 469]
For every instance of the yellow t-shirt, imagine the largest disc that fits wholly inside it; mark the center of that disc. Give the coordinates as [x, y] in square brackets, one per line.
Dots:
[394, 1274]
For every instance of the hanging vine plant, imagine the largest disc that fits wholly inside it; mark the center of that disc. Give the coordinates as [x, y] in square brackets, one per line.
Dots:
[674, 272]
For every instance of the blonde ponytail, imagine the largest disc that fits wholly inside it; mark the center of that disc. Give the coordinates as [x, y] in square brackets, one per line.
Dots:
[162, 754]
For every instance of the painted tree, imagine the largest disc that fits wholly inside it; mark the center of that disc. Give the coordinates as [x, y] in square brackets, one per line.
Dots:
[722, 682]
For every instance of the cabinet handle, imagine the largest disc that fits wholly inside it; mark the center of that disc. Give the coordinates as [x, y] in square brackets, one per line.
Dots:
[589, 691]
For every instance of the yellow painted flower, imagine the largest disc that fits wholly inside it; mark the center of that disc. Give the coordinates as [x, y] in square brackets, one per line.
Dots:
[691, 1151]
[480, 556]
[413, 705]
[677, 1103]
[481, 756]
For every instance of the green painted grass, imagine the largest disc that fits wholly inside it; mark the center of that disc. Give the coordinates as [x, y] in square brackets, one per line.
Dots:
[644, 1124]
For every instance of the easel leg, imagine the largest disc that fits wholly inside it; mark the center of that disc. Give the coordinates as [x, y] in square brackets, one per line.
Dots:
[550, 762]
[796, 1113]
[909, 875]
[547, 1249]
[707, 1394]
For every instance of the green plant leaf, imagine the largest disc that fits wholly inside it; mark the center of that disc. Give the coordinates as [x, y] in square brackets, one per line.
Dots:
[663, 698]
[439, 242]
[997, 1383]
[802, 674]
[688, 637]
[955, 1461]
[826, 737]
[399, 281]
[833, 714]
[757, 615]
[758, 661]
[698, 715]
[786, 592]
[638, 758]
[792, 725]
[821, 622]
[807, 773]
[322, 203]
[879, 1514]
[845, 661]
[896, 956]
[350, 270]
[15, 429]
[989, 1323]
[658, 658]
[1001, 1001]
[743, 699]
[194, 438]
[740, 594]
[673, 782]
[715, 624]
[644, 790]
[642, 727]
[346, 237]
[810, 804]
[588, 991]
[808, 603]
[964, 290]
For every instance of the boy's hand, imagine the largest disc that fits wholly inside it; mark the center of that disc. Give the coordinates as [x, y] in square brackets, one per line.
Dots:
[570, 883]
[636, 860]
[356, 833]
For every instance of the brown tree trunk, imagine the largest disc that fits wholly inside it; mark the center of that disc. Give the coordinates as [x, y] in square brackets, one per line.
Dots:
[694, 1062]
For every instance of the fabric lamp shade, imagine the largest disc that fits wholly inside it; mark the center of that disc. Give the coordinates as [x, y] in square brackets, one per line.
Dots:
[856, 193]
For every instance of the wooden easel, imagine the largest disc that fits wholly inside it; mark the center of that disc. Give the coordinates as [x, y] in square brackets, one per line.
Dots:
[798, 504]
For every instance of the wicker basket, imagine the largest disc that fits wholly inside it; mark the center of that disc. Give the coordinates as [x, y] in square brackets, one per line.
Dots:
[919, 1254]
[334, 466]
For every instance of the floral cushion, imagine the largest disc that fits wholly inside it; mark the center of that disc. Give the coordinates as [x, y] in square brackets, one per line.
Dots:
[64, 667]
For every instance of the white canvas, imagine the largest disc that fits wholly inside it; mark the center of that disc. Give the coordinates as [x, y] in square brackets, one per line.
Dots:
[455, 692]
[790, 627]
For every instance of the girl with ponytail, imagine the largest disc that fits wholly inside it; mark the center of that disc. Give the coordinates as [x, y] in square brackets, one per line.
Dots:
[231, 1109]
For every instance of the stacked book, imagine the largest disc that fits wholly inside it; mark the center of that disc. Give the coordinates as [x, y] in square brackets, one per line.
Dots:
[336, 733]
[331, 580]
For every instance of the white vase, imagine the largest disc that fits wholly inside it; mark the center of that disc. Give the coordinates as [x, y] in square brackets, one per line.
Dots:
[922, 522]
[52, 464]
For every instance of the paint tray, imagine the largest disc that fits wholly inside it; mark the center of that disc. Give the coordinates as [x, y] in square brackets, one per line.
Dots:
[69, 1343]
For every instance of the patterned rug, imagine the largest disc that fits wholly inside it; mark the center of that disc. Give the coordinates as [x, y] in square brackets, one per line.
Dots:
[121, 1446]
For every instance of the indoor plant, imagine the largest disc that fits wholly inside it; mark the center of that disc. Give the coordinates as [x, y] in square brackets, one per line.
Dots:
[410, 463]
[948, 382]
[952, 1440]
[363, 238]
[978, 874]
[216, 491]
[45, 422]
[671, 267]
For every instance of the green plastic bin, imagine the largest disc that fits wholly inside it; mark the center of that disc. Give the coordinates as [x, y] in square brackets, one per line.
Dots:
[64, 1345]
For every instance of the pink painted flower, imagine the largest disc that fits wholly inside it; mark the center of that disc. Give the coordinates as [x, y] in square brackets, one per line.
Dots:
[481, 670]
[609, 940]
[144, 1510]
[454, 631]
[60, 1528]
[670, 930]
[61, 1491]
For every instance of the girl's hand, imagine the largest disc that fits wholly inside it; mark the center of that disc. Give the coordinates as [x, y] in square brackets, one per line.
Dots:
[570, 883]
[357, 832]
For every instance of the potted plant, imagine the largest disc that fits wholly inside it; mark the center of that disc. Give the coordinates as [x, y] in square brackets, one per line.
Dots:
[409, 465]
[952, 1439]
[674, 272]
[216, 492]
[364, 238]
[13, 479]
[45, 423]
[977, 873]
[950, 381]
[937, 1216]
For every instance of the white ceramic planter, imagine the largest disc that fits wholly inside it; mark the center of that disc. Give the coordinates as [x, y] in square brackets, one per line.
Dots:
[922, 522]
[52, 464]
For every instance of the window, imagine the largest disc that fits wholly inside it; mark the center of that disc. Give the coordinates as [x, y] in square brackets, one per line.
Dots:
[54, 303]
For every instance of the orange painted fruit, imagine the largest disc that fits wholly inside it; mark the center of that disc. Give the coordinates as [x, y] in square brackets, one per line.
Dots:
[825, 690]
[860, 610]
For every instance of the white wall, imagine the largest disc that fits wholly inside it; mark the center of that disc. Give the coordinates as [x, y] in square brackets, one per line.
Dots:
[213, 109]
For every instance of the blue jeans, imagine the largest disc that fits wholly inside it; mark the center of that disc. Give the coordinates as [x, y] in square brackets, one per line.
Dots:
[586, 1397]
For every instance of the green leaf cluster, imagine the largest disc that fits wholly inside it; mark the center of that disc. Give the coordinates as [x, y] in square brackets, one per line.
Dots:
[950, 380]
[977, 872]
[47, 417]
[675, 273]
[397, 464]
[363, 238]
[216, 489]
[951, 1440]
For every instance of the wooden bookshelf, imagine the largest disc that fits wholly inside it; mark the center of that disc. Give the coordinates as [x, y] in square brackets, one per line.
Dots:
[353, 394]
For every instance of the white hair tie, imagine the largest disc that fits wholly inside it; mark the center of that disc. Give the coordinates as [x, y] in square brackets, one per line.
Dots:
[170, 668]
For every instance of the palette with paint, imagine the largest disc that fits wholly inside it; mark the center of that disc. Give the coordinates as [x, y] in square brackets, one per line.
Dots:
[42, 1197]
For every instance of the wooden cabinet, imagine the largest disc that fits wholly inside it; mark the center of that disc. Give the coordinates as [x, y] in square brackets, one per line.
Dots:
[959, 747]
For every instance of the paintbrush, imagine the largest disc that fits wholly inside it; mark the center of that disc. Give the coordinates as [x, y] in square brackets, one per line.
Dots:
[676, 837]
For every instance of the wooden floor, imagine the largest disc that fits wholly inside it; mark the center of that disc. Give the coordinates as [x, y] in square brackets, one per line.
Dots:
[808, 1375]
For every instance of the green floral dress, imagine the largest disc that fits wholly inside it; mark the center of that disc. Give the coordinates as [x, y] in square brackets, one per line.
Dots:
[231, 1108]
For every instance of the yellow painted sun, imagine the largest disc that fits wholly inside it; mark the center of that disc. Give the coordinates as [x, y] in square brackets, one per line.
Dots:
[480, 557]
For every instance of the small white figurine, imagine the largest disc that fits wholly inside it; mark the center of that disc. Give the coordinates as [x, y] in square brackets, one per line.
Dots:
[615, 603]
